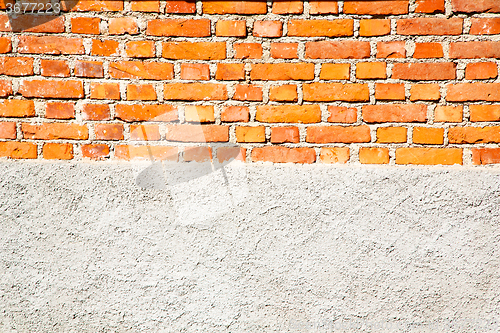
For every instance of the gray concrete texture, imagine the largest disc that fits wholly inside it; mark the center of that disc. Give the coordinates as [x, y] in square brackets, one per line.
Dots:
[248, 248]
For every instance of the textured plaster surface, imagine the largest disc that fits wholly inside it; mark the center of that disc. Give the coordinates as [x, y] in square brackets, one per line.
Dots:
[152, 248]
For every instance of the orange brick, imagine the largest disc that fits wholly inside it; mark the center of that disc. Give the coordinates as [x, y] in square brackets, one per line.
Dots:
[267, 29]
[326, 92]
[140, 49]
[89, 69]
[5, 45]
[425, 71]
[16, 66]
[59, 110]
[474, 50]
[338, 134]
[17, 108]
[287, 134]
[180, 7]
[104, 90]
[284, 155]
[145, 132]
[51, 89]
[390, 91]
[334, 155]
[197, 133]
[50, 45]
[371, 70]
[247, 92]
[283, 93]
[195, 72]
[49, 131]
[486, 156]
[95, 112]
[484, 113]
[429, 156]
[335, 71]
[194, 51]
[108, 131]
[373, 155]
[230, 72]
[197, 154]
[58, 151]
[104, 48]
[250, 134]
[195, 91]
[141, 70]
[376, 7]
[465, 6]
[288, 114]
[148, 153]
[348, 49]
[485, 26]
[235, 114]
[95, 151]
[394, 113]
[425, 92]
[85, 6]
[391, 134]
[320, 28]
[132, 113]
[231, 28]
[199, 113]
[323, 7]
[123, 25]
[5, 88]
[481, 71]
[462, 92]
[18, 150]
[85, 25]
[342, 114]
[448, 113]
[429, 136]
[284, 50]
[226, 154]
[369, 28]
[8, 130]
[235, 7]
[141, 92]
[488, 134]
[288, 7]
[56, 68]
[282, 71]
[146, 5]
[179, 28]
[430, 26]
[428, 50]
[391, 49]
[430, 6]
[248, 51]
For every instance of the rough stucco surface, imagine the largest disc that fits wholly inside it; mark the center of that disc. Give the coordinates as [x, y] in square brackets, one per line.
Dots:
[254, 248]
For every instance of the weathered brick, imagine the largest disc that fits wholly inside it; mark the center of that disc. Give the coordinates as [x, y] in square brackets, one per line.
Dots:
[288, 7]
[248, 51]
[267, 29]
[148, 153]
[104, 90]
[448, 113]
[95, 151]
[429, 136]
[55, 131]
[55, 68]
[235, 7]
[488, 134]
[226, 154]
[342, 114]
[288, 114]
[194, 51]
[485, 26]
[17, 108]
[141, 70]
[284, 50]
[429, 26]
[108, 131]
[474, 50]
[481, 71]
[18, 150]
[195, 72]
[283, 93]
[338, 134]
[140, 49]
[57, 151]
[51, 89]
[390, 91]
[335, 71]
[320, 28]
[373, 155]
[429, 156]
[282, 71]
[391, 134]
[141, 92]
[232, 28]
[235, 114]
[425, 71]
[32, 23]
[376, 7]
[50, 45]
[425, 92]
[284, 155]
[123, 25]
[371, 70]
[199, 113]
[16, 66]
[85, 25]
[146, 5]
[348, 49]
[429, 6]
[5, 45]
[98, 6]
[8, 130]
[230, 72]
[146, 112]
[371, 27]
[145, 132]
[104, 48]
[394, 49]
[5, 88]
[323, 7]
[95, 112]
[247, 92]
[462, 92]
[334, 155]
[477, 6]
[194, 91]
[485, 156]
[250, 134]
[181, 7]
[394, 113]
[89, 69]
[197, 133]
[325, 92]
[484, 112]
[57, 110]
[197, 154]
[289, 134]
[179, 28]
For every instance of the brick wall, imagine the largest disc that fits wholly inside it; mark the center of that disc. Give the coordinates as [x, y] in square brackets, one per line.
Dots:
[371, 82]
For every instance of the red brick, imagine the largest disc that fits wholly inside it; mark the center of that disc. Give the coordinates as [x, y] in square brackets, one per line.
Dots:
[429, 156]
[394, 113]
[428, 50]
[59, 110]
[342, 114]
[250, 134]
[95, 151]
[481, 71]
[463, 92]
[391, 49]
[123, 25]
[199, 113]
[56, 68]
[146, 5]
[57, 151]
[197, 133]
[430, 6]
[195, 72]
[348, 49]
[85, 25]
[235, 7]
[335, 72]
[486, 156]
[235, 114]
[448, 113]
[86, 6]
[5, 45]
[391, 134]
[373, 155]
[195, 91]
[425, 92]
[376, 7]
[288, 7]
[146, 112]
[282, 71]
[231, 28]
[16, 66]
[283, 93]
[230, 72]
[55, 131]
[428, 136]
[104, 90]
[425, 71]
[247, 92]
[284, 155]
[248, 51]
[287, 134]
[179, 28]
[323, 7]
[108, 131]
[485, 26]
[145, 132]
[148, 153]
[104, 48]
[369, 28]
[334, 155]
[390, 91]
[7, 130]
[320, 28]
[484, 112]
[50, 45]
[89, 69]
[197, 154]
[225, 154]
[51, 89]
[18, 150]
[488, 134]
[326, 92]
[474, 50]
[284, 50]
[32, 23]
[180, 7]
[288, 114]
[371, 70]
[95, 112]
[5, 88]
[140, 49]
[194, 51]
[141, 92]
[338, 134]
[477, 6]
[141, 70]
[429, 26]
[267, 29]
[17, 108]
